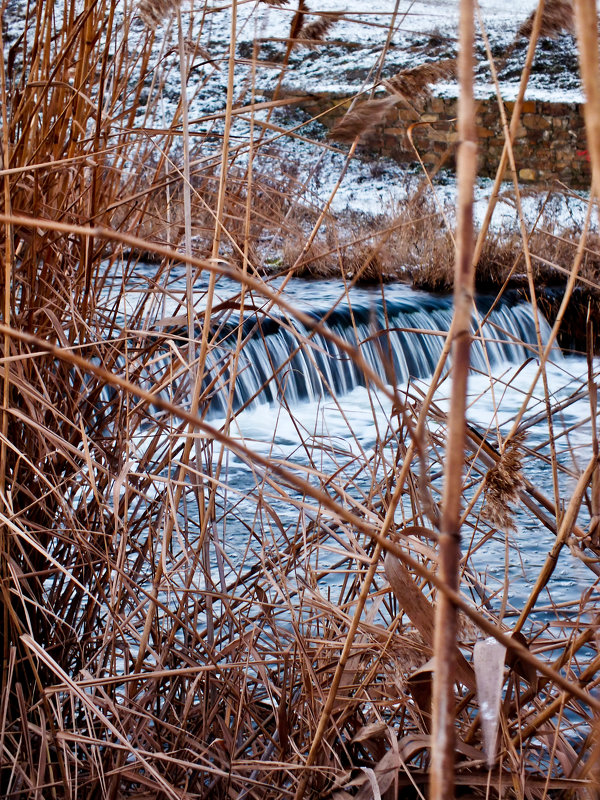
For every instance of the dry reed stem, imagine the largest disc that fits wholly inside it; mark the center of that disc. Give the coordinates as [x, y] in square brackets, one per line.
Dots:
[566, 526]
[530, 277]
[514, 124]
[7, 281]
[444, 647]
[587, 38]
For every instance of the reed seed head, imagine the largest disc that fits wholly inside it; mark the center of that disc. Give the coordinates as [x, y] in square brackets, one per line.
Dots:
[153, 12]
[414, 83]
[503, 483]
[362, 119]
[314, 32]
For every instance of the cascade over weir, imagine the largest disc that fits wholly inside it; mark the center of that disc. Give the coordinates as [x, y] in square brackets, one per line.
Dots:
[282, 359]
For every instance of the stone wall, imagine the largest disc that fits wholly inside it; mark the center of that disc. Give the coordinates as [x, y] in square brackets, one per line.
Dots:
[550, 142]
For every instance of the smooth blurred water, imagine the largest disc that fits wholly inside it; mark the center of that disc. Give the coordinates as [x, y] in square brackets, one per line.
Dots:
[329, 423]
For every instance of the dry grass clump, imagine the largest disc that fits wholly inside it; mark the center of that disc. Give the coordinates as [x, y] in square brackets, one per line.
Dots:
[161, 220]
[407, 245]
[557, 18]
[413, 245]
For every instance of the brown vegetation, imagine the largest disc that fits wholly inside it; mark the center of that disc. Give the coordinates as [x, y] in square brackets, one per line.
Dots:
[186, 613]
[415, 83]
[557, 19]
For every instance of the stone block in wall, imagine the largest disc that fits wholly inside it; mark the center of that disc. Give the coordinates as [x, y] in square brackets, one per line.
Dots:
[528, 175]
[450, 137]
[522, 152]
[559, 138]
[492, 122]
[407, 115]
[437, 105]
[484, 133]
[534, 122]
[528, 106]
[444, 125]
[556, 109]
[450, 108]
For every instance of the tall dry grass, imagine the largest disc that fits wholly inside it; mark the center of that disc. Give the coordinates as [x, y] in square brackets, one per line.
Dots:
[149, 649]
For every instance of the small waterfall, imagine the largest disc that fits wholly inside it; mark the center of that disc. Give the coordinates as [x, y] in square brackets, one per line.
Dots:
[403, 337]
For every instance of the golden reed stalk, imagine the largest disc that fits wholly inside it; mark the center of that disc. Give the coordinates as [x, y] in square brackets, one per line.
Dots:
[442, 753]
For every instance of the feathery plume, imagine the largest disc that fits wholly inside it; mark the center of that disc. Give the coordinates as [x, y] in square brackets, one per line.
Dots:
[316, 31]
[557, 18]
[298, 19]
[503, 483]
[414, 82]
[362, 119]
[153, 12]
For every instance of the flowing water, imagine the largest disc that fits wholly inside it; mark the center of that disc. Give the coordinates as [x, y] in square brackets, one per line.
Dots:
[301, 399]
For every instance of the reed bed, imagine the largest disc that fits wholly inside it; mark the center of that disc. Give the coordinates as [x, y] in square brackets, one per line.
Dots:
[191, 611]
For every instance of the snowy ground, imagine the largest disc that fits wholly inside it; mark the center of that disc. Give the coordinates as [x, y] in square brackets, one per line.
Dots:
[357, 54]
[354, 58]
[423, 30]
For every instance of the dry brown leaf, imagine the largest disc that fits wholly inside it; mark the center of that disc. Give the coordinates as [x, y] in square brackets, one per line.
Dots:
[522, 668]
[420, 685]
[371, 731]
[416, 606]
[384, 774]
[420, 611]
[488, 659]
[410, 746]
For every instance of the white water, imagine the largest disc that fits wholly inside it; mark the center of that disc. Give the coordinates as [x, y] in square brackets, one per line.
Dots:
[334, 436]
[343, 436]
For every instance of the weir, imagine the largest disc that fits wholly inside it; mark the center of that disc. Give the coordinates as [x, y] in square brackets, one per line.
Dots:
[281, 359]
